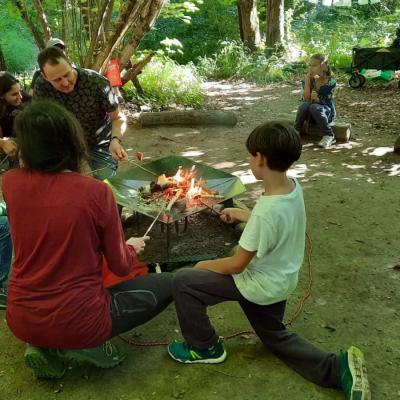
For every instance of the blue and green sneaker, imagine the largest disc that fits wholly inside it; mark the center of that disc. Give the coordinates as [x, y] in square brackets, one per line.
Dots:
[353, 375]
[45, 363]
[107, 355]
[184, 353]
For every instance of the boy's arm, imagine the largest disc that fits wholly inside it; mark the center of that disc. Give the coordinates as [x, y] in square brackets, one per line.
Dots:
[228, 265]
[231, 215]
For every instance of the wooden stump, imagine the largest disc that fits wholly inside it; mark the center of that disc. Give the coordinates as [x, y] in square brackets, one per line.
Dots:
[342, 130]
[190, 117]
[397, 145]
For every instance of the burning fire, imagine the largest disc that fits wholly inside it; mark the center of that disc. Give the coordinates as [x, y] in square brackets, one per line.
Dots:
[183, 189]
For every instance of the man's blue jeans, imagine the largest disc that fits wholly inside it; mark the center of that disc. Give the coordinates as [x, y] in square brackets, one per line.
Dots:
[102, 163]
[5, 251]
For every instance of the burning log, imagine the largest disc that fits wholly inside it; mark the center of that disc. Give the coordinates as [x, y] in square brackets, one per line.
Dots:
[174, 199]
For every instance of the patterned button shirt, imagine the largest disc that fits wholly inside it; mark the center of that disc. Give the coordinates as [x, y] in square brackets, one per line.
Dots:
[90, 101]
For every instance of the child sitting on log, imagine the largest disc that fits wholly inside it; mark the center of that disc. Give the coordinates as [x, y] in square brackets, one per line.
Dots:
[262, 274]
[318, 87]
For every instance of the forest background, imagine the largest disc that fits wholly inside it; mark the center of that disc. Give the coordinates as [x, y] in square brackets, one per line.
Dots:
[192, 41]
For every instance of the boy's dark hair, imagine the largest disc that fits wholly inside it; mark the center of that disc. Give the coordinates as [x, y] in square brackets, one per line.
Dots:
[324, 62]
[50, 138]
[7, 81]
[52, 56]
[278, 141]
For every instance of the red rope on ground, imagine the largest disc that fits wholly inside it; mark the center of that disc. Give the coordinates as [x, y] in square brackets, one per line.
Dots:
[289, 322]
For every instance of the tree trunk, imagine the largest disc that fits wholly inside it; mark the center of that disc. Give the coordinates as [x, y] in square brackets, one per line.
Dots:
[64, 21]
[25, 16]
[42, 19]
[97, 30]
[275, 23]
[136, 68]
[191, 117]
[146, 21]
[248, 23]
[3, 66]
[129, 10]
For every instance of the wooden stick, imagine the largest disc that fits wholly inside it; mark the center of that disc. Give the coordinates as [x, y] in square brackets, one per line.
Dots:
[174, 199]
[143, 168]
[4, 160]
[210, 207]
[154, 221]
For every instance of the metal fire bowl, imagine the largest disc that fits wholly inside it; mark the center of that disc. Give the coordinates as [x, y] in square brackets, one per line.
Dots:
[126, 184]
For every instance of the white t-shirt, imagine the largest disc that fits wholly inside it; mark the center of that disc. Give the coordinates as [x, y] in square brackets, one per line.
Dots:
[276, 231]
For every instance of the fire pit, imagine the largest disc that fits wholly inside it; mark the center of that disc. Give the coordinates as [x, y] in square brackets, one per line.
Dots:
[132, 188]
[173, 188]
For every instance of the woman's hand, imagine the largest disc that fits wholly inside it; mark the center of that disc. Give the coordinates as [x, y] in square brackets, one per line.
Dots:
[8, 146]
[138, 243]
[314, 96]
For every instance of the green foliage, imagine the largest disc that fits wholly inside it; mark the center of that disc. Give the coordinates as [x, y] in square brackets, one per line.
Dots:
[214, 22]
[15, 40]
[234, 61]
[334, 31]
[167, 83]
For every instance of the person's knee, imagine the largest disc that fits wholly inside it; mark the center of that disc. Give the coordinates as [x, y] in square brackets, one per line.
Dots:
[181, 279]
[304, 107]
[315, 109]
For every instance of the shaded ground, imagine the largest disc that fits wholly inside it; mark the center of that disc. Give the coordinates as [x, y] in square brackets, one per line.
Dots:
[352, 199]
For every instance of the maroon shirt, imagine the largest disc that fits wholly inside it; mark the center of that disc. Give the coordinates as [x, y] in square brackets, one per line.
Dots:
[61, 226]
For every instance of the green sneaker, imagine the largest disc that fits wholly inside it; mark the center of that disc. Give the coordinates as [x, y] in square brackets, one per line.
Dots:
[45, 363]
[182, 352]
[105, 356]
[353, 375]
[3, 298]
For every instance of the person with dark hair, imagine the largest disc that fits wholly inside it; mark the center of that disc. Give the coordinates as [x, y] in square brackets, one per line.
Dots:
[5, 254]
[317, 101]
[262, 273]
[53, 42]
[63, 226]
[89, 96]
[11, 102]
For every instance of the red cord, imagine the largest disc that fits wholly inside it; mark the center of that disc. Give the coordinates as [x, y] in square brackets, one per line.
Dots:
[289, 322]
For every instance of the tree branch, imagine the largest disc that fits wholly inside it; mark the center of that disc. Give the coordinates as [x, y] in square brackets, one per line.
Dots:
[25, 16]
[42, 19]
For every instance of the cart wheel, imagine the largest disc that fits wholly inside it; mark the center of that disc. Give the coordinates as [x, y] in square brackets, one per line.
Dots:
[356, 81]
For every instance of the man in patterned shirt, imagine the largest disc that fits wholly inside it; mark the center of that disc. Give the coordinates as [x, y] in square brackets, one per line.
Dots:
[89, 96]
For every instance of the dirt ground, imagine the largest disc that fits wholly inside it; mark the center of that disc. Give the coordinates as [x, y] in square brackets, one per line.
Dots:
[352, 199]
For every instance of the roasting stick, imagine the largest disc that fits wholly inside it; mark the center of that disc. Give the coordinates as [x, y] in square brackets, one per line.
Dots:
[210, 207]
[130, 161]
[4, 160]
[154, 221]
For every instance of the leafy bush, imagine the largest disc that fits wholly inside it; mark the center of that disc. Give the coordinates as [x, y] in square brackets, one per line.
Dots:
[16, 41]
[334, 31]
[167, 83]
[233, 60]
[199, 33]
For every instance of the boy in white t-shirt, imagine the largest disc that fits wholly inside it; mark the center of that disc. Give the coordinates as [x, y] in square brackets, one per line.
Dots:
[262, 274]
